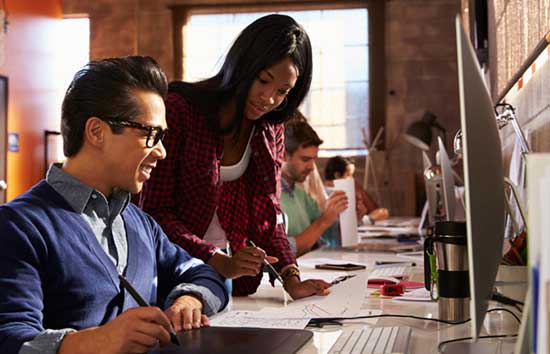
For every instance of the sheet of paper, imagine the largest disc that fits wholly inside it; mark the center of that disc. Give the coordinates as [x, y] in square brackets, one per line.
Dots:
[377, 234]
[327, 276]
[253, 319]
[348, 218]
[399, 221]
[517, 176]
[344, 300]
[373, 229]
[379, 244]
[420, 294]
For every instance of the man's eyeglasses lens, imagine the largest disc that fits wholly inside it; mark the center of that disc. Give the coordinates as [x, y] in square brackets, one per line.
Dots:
[154, 134]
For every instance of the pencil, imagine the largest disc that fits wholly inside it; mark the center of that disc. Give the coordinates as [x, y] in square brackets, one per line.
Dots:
[268, 265]
[141, 302]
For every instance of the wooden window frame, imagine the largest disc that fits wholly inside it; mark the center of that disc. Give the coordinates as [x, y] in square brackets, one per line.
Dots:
[376, 24]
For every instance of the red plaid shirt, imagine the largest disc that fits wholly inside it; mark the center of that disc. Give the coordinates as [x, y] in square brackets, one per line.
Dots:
[185, 189]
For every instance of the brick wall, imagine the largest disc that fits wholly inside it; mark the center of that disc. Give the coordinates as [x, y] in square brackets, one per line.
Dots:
[421, 75]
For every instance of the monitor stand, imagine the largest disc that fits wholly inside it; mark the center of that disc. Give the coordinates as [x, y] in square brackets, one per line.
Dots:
[519, 345]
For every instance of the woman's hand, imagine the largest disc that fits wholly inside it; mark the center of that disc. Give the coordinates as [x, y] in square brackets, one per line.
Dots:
[246, 261]
[299, 289]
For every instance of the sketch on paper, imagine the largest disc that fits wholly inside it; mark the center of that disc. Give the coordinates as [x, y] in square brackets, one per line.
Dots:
[344, 300]
[252, 319]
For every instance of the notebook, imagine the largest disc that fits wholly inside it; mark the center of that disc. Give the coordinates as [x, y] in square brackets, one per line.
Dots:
[242, 340]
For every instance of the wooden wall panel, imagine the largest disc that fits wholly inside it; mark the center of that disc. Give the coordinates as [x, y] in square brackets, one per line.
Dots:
[33, 106]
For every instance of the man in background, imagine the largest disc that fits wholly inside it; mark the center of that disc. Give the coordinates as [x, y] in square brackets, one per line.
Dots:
[306, 222]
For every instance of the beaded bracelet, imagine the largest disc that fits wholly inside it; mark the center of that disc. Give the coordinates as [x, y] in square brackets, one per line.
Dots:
[289, 272]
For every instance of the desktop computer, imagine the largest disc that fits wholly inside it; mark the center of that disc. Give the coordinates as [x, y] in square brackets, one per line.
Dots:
[449, 199]
[483, 179]
[484, 192]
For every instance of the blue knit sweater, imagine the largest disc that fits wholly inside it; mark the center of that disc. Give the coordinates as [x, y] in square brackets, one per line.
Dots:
[54, 274]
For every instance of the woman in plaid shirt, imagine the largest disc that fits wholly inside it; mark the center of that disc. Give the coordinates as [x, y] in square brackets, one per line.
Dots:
[220, 184]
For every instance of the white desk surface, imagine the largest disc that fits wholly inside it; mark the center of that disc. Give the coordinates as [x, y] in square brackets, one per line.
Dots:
[425, 334]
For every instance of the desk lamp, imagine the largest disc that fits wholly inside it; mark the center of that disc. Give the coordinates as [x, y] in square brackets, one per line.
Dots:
[505, 114]
[419, 133]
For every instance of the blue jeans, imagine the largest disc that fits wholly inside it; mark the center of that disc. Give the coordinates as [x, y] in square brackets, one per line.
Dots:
[228, 282]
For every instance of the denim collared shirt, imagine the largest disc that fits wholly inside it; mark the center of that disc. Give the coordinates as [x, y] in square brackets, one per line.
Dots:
[103, 215]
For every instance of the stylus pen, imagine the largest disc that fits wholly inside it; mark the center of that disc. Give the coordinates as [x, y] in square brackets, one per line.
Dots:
[394, 262]
[341, 279]
[141, 302]
[268, 265]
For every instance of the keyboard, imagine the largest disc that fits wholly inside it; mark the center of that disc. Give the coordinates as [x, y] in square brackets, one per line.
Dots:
[377, 340]
[394, 270]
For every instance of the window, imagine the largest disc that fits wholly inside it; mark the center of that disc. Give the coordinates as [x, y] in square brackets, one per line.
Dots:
[74, 50]
[337, 104]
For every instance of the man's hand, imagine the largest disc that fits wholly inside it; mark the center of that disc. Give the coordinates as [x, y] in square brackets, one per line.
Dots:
[299, 289]
[134, 331]
[246, 261]
[336, 203]
[186, 313]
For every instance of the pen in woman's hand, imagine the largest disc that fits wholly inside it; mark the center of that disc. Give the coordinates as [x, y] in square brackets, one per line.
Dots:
[268, 265]
[141, 302]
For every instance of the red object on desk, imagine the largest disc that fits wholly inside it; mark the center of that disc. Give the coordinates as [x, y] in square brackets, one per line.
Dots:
[377, 282]
[411, 284]
[391, 289]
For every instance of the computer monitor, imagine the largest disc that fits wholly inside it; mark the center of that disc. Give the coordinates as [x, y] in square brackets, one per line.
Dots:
[483, 179]
[449, 199]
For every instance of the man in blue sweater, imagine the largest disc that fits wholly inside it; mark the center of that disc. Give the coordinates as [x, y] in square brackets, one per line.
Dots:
[64, 242]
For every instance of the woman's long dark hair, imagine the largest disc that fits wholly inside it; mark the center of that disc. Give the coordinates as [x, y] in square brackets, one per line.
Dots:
[259, 46]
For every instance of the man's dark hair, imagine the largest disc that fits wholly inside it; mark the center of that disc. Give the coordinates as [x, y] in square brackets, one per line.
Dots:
[259, 46]
[298, 133]
[106, 89]
[335, 164]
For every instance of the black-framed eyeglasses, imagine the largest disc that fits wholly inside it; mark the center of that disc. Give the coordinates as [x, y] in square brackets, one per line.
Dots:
[154, 134]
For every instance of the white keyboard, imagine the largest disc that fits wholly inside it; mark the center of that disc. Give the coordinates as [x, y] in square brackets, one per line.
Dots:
[367, 340]
[394, 270]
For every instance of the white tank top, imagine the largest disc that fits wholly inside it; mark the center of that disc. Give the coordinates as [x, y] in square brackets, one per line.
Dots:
[215, 234]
